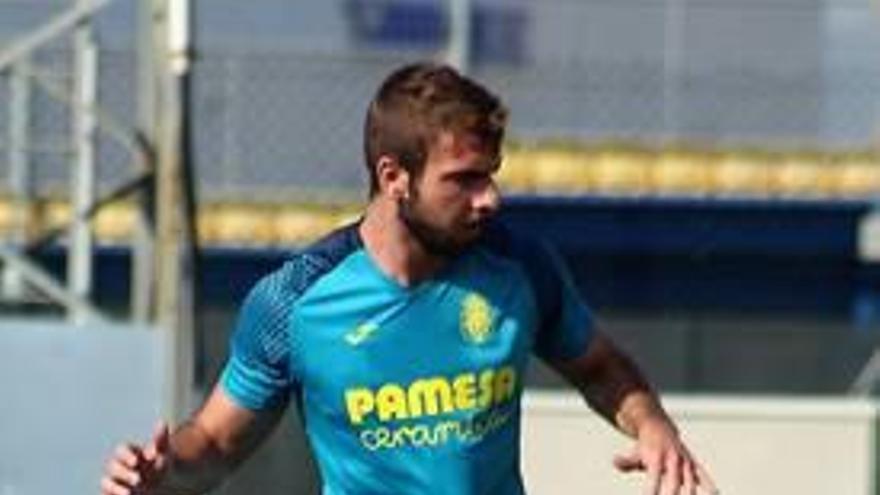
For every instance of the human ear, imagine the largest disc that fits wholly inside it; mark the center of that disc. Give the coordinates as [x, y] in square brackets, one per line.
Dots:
[393, 179]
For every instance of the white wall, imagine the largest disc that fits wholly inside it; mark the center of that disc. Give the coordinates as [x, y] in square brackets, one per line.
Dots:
[67, 396]
[752, 445]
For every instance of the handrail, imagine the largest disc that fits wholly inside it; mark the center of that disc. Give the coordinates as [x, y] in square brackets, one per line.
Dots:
[46, 283]
[49, 31]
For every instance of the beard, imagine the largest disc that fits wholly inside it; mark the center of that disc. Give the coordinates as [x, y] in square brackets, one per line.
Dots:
[435, 240]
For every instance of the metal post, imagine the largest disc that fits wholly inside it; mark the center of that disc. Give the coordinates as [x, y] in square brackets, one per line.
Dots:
[174, 285]
[143, 242]
[459, 49]
[19, 170]
[79, 258]
[47, 284]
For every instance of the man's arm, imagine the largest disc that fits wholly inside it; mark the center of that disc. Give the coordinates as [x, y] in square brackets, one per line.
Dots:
[196, 457]
[613, 386]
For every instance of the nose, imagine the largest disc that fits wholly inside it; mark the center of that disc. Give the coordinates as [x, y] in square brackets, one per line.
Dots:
[488, 199]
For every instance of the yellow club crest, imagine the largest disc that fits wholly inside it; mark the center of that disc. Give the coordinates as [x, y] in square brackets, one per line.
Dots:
[476, 318]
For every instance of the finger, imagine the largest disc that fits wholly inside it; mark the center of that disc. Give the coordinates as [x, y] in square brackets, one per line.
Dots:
[654, 472]
[123, 474]
[127, 454]
[689, 478]
[111, 487]
[629, 462]
[161, 435]
[704, 481]
[671, 482]
[159, 441]
[160, 463]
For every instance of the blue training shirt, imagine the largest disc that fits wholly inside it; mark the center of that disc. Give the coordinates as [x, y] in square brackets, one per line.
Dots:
[407, 390]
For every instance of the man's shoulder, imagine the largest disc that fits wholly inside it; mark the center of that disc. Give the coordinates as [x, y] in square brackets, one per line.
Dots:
[308, 265]
[529, 252]
[333, 247]
[502, 240]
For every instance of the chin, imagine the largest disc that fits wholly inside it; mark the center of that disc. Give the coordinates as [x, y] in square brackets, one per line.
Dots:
[469, 237]
[475, 230]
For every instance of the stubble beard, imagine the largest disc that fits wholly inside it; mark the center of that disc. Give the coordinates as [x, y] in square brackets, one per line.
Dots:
[433, 240]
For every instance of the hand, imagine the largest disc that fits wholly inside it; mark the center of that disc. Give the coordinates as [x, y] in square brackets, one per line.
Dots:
[671, 468]
[136, 469]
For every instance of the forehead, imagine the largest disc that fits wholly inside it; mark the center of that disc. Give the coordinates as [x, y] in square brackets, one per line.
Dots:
[453, 151]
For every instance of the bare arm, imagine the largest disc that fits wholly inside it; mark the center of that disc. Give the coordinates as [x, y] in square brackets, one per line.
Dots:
[613, 386]
[196, 457]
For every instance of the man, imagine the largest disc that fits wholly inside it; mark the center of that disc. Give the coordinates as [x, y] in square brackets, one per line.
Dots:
[403, 338]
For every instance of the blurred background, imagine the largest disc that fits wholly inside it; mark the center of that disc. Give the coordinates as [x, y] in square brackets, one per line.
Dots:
[709, 168]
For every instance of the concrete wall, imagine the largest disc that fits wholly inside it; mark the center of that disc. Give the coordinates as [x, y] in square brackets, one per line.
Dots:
[68, 395]
[751, 445]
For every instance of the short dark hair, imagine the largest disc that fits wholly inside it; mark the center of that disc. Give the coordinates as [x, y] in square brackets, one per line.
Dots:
[415, 104]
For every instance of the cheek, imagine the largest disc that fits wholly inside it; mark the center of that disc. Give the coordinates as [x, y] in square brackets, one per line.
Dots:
[443, 201]
[443, 198]
[455, 205]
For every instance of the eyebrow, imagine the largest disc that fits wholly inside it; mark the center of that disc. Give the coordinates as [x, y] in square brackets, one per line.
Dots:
[494, 166]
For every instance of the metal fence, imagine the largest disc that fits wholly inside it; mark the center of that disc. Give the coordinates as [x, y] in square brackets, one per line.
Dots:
[38, 109]
[280, 87]
[771, 74]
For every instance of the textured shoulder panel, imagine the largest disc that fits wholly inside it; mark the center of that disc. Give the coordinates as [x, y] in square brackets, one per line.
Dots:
[260, 371]
[308, 265]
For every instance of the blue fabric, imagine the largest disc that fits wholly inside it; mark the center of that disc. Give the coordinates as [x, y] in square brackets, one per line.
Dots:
[407, 390]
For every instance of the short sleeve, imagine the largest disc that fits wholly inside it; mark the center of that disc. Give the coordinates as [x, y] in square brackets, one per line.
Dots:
[566, 324]
[258, 373]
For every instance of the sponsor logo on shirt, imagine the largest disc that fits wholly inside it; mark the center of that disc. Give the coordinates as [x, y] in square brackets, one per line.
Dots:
[412, 414]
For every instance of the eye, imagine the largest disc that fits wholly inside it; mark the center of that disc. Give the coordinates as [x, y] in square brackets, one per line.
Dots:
[470, 179]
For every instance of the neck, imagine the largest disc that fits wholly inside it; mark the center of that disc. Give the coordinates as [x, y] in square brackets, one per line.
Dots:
[393, 247]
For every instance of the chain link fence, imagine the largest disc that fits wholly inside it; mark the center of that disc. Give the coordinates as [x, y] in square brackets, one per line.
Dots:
[280, 89]
[759, 74]
[38, 109]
